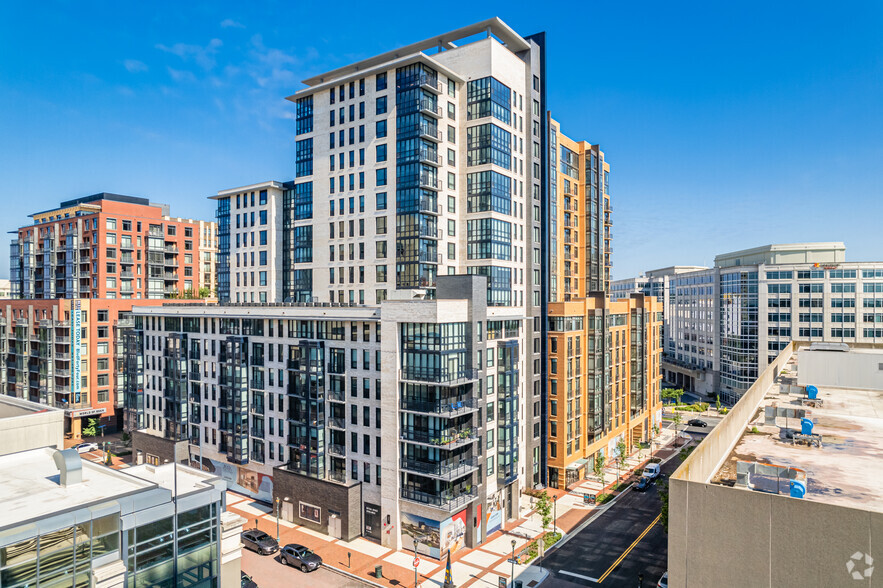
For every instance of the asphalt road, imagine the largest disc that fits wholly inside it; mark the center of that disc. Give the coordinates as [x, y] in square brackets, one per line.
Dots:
[268, 572]
[625, 540]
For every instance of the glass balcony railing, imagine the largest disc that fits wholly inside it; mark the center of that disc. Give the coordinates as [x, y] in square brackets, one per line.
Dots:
[444, 501]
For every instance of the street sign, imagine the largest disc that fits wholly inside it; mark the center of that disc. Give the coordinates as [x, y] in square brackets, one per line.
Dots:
[416, 561]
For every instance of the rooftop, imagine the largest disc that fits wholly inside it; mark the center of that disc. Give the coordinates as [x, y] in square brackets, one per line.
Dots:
[184, 481]
[845, 469]
[834, 251]
[31, 488]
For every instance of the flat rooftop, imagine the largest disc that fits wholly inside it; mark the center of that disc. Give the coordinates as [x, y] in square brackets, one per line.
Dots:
[845, 470]
[188, 479]
[30, 486]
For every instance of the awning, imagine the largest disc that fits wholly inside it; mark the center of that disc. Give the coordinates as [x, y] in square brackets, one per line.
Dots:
[578, 464]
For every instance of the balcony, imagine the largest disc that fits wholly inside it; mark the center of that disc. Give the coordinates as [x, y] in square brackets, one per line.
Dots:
[429, 157]
[439, 376]
[447, 501]
[429, 83]
[171, 249]
[127, 274]
[445, 470]
[428, 181]
[445, 438]
[170, 262]
[337, 422]
[338, 450]
[337, 476]
[336, 395]
[429, 108]
[449, 409]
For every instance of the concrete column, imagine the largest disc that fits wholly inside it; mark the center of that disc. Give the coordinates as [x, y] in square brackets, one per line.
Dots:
[231, 549]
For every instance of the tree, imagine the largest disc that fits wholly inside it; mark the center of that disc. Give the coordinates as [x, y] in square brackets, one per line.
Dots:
[205, 292]
[676, 419]
[91, 430]
[621, 449]
[544, 507]
[717, 402]
[662, 489]
[598, 466]
[672, 394]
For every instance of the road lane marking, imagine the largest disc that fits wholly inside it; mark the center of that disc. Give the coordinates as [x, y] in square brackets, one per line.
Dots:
[580, 576]
[627, 551]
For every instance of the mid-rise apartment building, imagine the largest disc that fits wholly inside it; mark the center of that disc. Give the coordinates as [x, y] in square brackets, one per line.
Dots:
[107, 246]
[76, 272]
[362, 420]
[725, 324]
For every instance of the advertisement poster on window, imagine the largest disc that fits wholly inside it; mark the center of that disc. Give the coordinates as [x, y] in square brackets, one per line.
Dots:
[371, 517]
[453, 532]
[423, 531]
[477, 530]
[494, 516]
[239, 479]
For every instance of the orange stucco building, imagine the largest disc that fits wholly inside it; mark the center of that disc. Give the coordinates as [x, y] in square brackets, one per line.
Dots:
[603, 356]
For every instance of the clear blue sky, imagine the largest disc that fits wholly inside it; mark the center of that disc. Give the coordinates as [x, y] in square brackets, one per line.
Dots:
[727, 125]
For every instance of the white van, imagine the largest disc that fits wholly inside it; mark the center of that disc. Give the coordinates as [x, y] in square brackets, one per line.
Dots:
[651, 470]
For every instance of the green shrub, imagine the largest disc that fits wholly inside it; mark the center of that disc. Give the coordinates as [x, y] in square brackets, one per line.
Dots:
[603, 498]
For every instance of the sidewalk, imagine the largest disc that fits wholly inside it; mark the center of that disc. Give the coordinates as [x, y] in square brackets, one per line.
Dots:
[480, 567]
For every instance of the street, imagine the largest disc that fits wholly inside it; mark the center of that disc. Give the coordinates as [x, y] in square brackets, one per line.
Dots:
[627, 539]
[268, 572]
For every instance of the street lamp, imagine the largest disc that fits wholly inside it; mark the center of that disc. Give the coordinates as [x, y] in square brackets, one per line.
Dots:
[278, 505]
[555, 507]
[513, 563]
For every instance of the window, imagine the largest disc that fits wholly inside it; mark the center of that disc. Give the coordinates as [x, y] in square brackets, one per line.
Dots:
[452, 181]
[381, 153]
[452, 134]
[111, 224]
[380, 225]
[381, 105]
[380, 129]
[381, 81]
[380, 177]
[380, 200]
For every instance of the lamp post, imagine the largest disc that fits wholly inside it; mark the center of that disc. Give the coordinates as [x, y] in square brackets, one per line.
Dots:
[416, 544]
[512, 579]
[278, 506]
[555, 519]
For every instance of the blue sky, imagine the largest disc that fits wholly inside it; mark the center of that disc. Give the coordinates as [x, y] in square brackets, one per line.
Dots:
[727, 125]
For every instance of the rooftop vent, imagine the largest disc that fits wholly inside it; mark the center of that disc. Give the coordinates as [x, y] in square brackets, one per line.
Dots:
[70, 467]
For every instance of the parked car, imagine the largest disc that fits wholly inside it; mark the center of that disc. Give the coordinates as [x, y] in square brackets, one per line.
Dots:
[86, 447]
[643, 484]
[247, 582]
[697, 423]
[300, 556]
[651, 470]
[259, 542]
[663, 581]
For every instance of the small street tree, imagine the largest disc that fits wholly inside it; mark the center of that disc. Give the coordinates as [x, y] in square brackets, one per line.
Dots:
[544, 507]
[91, 430]
[621, 448]
[662, 489]
[717, 402]
[676, 419]
[598, 466]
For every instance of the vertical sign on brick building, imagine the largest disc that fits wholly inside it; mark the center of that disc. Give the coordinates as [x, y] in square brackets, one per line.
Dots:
[76, 325]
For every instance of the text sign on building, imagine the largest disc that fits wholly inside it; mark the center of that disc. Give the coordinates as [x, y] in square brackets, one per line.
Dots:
[76, 326]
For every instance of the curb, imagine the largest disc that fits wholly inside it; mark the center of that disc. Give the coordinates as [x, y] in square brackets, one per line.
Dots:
[354, 576]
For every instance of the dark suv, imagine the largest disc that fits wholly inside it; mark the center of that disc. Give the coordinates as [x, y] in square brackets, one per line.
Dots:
[300, 556]
[259, 541]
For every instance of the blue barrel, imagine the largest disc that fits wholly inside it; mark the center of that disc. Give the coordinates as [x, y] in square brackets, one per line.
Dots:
[798, 489]
[806, 426]
[812, 392]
